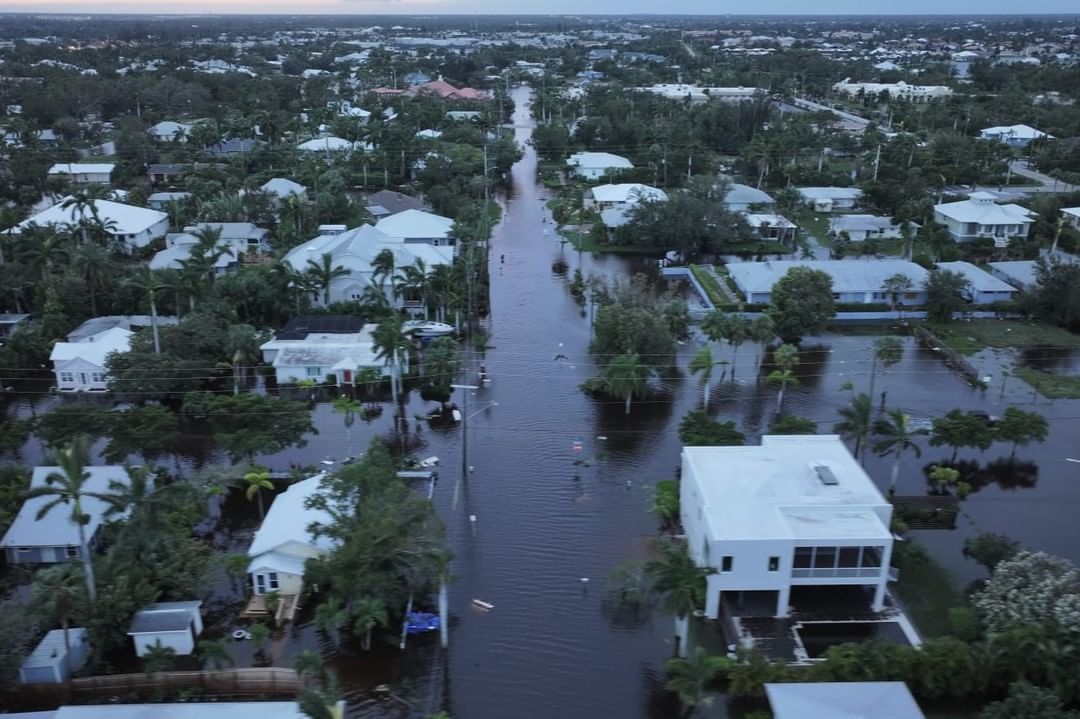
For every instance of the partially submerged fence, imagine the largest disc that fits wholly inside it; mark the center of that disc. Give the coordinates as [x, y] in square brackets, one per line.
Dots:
[249, 682]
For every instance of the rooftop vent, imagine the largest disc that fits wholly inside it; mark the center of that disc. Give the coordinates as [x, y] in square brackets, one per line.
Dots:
[826, 475]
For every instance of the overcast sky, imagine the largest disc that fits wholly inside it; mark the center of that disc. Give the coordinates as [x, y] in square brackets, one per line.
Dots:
[413, 7]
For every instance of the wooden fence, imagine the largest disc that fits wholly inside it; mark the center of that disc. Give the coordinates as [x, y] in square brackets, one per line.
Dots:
[253, 682]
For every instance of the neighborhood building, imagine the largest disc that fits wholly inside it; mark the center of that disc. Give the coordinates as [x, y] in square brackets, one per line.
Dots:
[1018, 273]
[80, 366]
[980, 216]
[594, 165]
[1071, 217]
[169, 131]
[176, 625]
[772, 227]
[238, 240]
[234, 147]
[622, 196]
[131, 226]
[50, 662]
[444, 90]
[319, 354]
[83, 173]
[55, 536]
[984, 287]
[165, 173]
[697, 94]
[1013, 135]
[860, 228]
[97, 325]
[282, 189]
[895, 90]
[842, 700]
[9, 322]
[389, 202]
[284, 541]
[419, 227]
[830, 199]
[742, 198]
[160, 200]
[854, 281]
[796, 511]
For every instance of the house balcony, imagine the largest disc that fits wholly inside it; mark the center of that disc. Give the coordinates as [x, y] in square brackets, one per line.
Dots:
[837, 573]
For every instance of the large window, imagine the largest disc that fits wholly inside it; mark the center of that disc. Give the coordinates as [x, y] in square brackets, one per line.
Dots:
[273, 580]
[804, 557]
[837, 562]
[67, 376]
[314, 371]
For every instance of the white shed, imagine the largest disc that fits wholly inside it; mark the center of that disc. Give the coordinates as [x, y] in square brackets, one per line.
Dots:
[49, 664]
[174, 624]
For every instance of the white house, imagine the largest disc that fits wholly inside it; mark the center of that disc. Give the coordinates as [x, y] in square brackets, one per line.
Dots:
[132, 226]
[984, 287]
[594, 165]
[854, 281]
[84, 173]
[740, 197]
[80, 366]
[355, 251]
[284, 541]
[772, 227]
[55, 537]
[417, 226]
[795, 511]
[896, 90]
[1071, 216]
[622, 196]
[168, 131]
[860, 228]
[161, 200]
[324, 353]
[1013, 135]
[237, 239]
[842, 700]
[174, 624]
[50, 663]
[697, 94]
[1018, 273]
[326, 144]
[979, 216]
[283, 189]
[830, 199]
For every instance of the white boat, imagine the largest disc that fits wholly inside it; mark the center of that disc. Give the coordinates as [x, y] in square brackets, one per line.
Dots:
[427, 328]
[456, 414]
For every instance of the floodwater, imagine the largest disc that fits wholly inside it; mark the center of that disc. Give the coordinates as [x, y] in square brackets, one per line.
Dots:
[532, 518]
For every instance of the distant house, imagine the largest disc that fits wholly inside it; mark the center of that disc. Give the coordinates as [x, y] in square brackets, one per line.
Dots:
[830, 199]
[169, 131]
[55, 536]
[854, 281]
[237, 240]
[50, 663]
[603, 54]
[1018, 273]
[984, 287]
[772, 227]
[320, 354]
[842, 700]
[175, 625]
[622, 196]
[160, 200]
[388, 202]
[97, 325]
[739, 198]
[9, 323]
[1013, 135]
[165, 174]
[417, 78]
[429, 134]
[234, 147]
[594, 165]
[979, 216]
[284, 541]
[80, 366]
[1071, 217]
[283, 189]
[860, 228]
[299, 327]
[464, 115]
[416, 226]
[442, 89]
[326, 144]
[83, 173]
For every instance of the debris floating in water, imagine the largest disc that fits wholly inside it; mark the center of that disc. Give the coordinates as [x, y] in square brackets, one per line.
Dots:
[486, 606]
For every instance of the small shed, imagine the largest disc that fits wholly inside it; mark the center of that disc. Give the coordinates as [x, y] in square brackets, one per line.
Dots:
[174, 624]
[49, 662]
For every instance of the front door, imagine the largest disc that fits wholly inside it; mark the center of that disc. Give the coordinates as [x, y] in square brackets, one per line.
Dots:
[346, 376]
[260, 584]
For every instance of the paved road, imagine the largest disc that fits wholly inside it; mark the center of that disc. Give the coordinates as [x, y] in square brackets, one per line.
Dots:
[1047, 183]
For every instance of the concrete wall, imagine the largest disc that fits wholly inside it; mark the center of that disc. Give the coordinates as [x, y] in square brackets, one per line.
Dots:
[183, 643]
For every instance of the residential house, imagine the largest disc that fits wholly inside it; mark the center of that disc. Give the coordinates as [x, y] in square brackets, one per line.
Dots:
[464, 115]
[165, 173]
[796, 511]
[842, 700]
[237, 240]
[97, 325]
[1013, 135]
[50, 662]
[326, 144]
[984, 288]
[830, 199]
[1018, 273]
[622, 196]
[320, 355]
[772, 227]
[282, 189]
[416, 226]
[417, 78]
[741, 198]
[979, 216]
[854, 281]
[444, 90]
[234, 147]
[169, 131]
[1071, 217]
[175, 625]
[182, 710]
[80, 366]
[54, 537]
[299, 327]
[594, 165]
[697, 94]
[284, 542]
[603, 54]
[895, 90]
[160, 200]
[860, 228]
[10, 322]
[389, 202]
[95, 173]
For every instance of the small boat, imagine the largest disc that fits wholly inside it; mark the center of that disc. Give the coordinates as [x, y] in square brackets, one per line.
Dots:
[426, 328]
[487, 606]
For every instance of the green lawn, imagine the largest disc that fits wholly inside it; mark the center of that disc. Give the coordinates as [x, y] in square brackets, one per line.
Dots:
[1051, 386]
[969, 337]
[816, 224]
[926, 589]
[585, 243]
[709, 282]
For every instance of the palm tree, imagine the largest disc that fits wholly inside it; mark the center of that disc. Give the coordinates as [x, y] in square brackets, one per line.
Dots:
[43, 249]
[158, 658]
[678, 580]
[242, 345]
[323, 273]
[762, 331]
[440, 287]
[58, 590]
[349, 407]
[257, 478]
[309, 666]
[625, 376]
[79, 203]
[856, 421]
[703, 362]
[382, 266]
[146, 280]
[93, 265]
[216, 652]
[67, 487]
[690, 678]
[329, 616]
[896, 438]
[366, 614]
[389, 340]
[888, 351]
[786, 359]
[297, 284]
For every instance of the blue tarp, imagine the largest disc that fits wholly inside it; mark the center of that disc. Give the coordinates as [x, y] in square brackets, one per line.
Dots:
[420, 622]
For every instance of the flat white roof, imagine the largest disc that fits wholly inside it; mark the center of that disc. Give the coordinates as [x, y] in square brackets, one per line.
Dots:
[847, 275]
[183, 710]
[81, 168]
[774, 491]
[626, 192]
[981, 280]
[842, 700]
[598, 160]
[982, 209]
[830, 193]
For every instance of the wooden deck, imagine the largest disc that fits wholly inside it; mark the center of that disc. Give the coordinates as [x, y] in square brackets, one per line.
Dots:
[286, 609]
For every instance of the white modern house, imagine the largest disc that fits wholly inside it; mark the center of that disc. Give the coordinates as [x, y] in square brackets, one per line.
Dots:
[319, 354]
[284, 541]
[132, 226]
[282, 188]
[980, 216]
[83, 173]
[55, 537]
[80, 366]
[860, 228]
[594, 165]
[50, 662]
[795, 511]
[169, 131]
[830, 199]
[420, 227]
[854, 281]
[355, 251]
[740, 198]
[895, 90]
[237, 240]
[1013, 135]
[176, 625]
[697, 94]
[984, 288]
[622, 196]
[842, 700]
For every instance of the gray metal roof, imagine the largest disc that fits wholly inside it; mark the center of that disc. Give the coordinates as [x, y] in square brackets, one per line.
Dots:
[164, 617]
[50, 650]
[843, 700]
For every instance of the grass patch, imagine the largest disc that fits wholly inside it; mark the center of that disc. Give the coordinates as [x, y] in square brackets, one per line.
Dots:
[584, 243]
[926, 589]
[967, 338]
[1051, 386]
[816, 225]
[712, 286]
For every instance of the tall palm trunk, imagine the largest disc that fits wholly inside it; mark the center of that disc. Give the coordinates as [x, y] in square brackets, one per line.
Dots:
[153, 323]
[65, 624]
[705, 397]
[88, 565]
[734, 356]
[780, 399]
[629, 396]
[895, 474]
